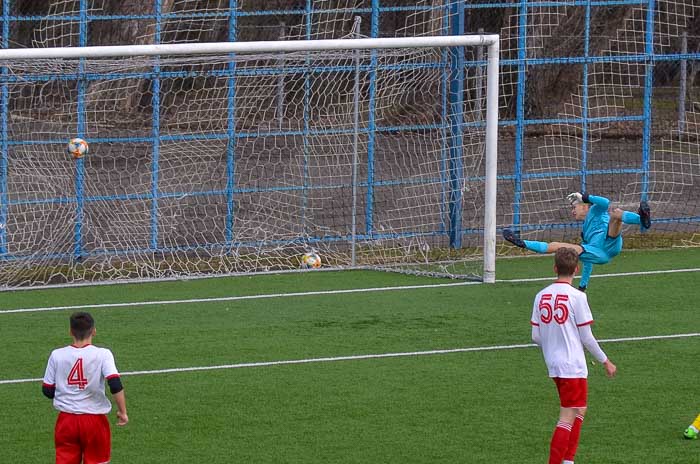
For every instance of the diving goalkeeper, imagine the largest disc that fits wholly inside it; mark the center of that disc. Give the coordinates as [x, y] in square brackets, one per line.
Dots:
[601, 234]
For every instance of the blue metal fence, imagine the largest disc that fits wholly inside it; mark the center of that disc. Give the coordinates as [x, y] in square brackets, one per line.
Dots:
[455, 20]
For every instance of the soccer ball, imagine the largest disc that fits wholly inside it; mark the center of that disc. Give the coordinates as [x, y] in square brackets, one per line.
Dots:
[310, 260]
[77, 147]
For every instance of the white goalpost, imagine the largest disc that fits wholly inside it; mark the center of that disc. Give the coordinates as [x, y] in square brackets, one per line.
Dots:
[239, 157]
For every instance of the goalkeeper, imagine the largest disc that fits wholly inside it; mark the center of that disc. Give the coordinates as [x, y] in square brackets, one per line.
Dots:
[601, 234]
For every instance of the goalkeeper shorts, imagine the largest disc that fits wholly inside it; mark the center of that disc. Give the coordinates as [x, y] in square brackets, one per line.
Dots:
[611, 247]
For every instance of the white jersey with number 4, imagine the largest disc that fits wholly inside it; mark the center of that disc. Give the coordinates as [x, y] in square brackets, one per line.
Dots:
[79, 374]
[559, 310]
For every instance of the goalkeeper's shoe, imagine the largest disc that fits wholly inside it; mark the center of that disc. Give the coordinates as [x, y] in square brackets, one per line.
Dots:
[644, 214]
[691, 434]
[513, 237]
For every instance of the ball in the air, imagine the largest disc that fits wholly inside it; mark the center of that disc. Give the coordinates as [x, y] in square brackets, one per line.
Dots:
[77, 147]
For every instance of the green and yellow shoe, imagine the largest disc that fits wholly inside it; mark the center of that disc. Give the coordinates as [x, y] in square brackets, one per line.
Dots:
[690, 433]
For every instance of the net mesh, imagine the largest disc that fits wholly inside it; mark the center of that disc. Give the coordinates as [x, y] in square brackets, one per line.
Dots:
[596, 141]
[590, 99]
[213, 164]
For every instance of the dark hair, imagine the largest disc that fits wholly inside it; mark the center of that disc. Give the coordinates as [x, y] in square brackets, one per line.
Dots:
[565, 260]
[81, 325]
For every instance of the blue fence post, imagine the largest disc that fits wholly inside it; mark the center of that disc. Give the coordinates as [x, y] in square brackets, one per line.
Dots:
[372, 123]
[308, 19]
[520, 110]
[456, 116]
[155, 131]
[231, 128]
[648, 94]
[4, 117]
[80, 162]
[444, 134]
[584, 103]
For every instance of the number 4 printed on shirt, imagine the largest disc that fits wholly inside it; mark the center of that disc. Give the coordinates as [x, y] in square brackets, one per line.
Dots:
[77, 376]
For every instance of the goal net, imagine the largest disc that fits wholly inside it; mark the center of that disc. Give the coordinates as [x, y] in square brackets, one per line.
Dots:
[211, 159]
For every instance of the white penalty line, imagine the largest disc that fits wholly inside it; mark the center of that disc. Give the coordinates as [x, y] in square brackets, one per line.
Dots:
[614, 274]
[314, 293]
[361, 357]
[234, 298]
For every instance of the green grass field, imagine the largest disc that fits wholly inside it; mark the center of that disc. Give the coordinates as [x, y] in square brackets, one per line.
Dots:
[491, 405]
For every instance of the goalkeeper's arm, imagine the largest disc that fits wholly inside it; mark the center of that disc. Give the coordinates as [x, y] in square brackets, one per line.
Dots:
[577, 197]
[595, 200]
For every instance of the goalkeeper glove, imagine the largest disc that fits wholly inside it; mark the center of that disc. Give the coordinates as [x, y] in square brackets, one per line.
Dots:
[575, 197]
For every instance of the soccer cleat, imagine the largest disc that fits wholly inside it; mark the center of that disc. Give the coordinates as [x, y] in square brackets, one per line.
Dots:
[690, 434]
[644, 214]
[513, 237]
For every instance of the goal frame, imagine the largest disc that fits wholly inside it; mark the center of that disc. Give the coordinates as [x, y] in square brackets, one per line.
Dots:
[490, 41]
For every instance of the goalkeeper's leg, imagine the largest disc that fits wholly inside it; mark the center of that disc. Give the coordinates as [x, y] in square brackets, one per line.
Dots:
[591, 255]
[693, 430]
[618, 217]
[644, 214]
[538, 247]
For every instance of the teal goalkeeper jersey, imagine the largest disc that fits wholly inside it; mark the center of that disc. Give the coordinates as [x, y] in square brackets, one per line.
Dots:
[595, 227]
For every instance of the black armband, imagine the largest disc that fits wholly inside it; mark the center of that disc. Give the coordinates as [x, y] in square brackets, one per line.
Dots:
[584, 197]
[115, 385]
[49, 391]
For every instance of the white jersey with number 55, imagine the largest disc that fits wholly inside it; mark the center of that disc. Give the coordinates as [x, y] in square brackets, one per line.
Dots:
[559, 310]
[79, 374]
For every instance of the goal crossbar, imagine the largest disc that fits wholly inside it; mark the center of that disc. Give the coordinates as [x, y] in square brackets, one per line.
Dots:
[284, 46]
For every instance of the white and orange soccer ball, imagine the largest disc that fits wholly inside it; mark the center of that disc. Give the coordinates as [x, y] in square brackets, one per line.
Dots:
[310, 260]
[77, 148]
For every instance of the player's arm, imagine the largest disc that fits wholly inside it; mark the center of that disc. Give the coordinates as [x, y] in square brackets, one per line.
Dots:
[48, 386]
[534, 322]
[111, 374]
[122, 417]
[591, 344]
[576, 197]
[536, 337]
[596, 200]
[117, 390]
[49, 391]
[583, 317]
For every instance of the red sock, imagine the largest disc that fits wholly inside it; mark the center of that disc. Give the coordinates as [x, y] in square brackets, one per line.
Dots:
[560, 441]
[573, 438]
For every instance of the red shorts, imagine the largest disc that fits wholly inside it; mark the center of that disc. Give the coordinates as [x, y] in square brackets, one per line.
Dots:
[573, 393]
[82, 438]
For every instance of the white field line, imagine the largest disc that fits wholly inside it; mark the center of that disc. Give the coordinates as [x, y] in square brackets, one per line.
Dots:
[362, 357]
[323, 292]
[234, 298]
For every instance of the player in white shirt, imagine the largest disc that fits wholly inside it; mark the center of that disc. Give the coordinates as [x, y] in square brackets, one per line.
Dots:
[75, 380]
[561, 325]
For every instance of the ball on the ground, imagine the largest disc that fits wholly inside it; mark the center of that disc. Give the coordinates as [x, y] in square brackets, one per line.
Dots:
[310, 260]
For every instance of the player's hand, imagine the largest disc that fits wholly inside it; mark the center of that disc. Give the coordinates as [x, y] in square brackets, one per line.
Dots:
[575, 197]
[610, 368]
[122, 418]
